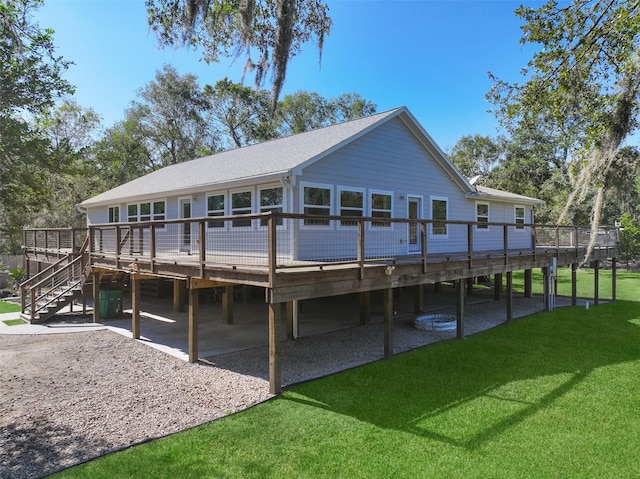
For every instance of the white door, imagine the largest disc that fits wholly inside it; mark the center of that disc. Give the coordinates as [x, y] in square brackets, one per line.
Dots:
[185, 213]
[414, 213]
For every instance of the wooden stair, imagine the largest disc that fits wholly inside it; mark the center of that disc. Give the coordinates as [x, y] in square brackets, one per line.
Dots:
[47, 292]
[53, 301]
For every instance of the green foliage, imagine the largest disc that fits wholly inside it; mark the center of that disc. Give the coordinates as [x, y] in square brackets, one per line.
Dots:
[477, 155]
[17, 276]
[275, 29]
[30, 82]
[554, 395]
[170, 115]
[629, 237]
[242, 113]
[303, 110]
[581, 85]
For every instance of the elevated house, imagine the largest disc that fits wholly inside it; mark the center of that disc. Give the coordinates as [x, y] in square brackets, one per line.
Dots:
[369, 204]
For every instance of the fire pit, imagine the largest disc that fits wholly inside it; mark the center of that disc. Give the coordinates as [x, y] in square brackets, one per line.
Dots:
[435, 322]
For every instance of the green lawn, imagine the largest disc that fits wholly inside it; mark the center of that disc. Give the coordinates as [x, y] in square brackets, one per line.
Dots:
[550, 395]
[8, 307]
[628, 284]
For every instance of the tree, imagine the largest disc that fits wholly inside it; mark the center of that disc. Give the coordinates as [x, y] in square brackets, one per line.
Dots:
[240, 112]
[303, 110]
[274, 29]
[477, 155]
[583, 82]
[30, 82]
[121, 155]
[629, 238]
[171, 115]
[71, 131]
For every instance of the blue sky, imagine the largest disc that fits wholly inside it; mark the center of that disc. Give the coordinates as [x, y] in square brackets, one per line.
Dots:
[431, 56]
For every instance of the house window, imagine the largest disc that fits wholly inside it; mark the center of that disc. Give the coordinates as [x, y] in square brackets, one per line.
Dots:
[215, 207]
[381, 208]
[519, 216]
[146, 211]
[114, 214]
[132, 213]
[351, 204]
[439, 213]
[316, 201]
[482, 216]
[271, 199]
[241, 205]
[158, 213]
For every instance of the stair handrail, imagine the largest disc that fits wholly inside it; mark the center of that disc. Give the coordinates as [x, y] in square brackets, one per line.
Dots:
[27, 285]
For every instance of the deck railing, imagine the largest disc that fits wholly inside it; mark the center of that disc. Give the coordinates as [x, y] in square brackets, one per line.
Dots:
[279, 240]
[54, 239]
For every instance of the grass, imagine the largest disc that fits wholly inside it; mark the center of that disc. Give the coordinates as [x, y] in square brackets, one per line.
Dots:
[8, 307]
[13, 322]
[550, 395]
[626, 283]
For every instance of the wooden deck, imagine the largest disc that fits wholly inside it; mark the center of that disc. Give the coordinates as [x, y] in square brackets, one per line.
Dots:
[140, 252]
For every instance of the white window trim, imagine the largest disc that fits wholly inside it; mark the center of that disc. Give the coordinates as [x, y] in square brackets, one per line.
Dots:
[332, 200]
[283, 205]
[488, 227]
[339, 204]
[251, 190]
[372, 192]
[438, 198]
[226, 196]
[524, 218]
[151, 211]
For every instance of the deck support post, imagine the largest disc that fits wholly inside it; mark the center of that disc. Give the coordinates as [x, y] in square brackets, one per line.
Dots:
[365, 307]
[545, 289]
[388, 322]
[275, 367]
[509, 294]
[528, 283]
[596, 282]
[614, 271]
[227, 305]
[193, 324]
[437, 286]
[574, 284]
[460, 308]
[418, 299]
[470, 282]
[497, 286]
[292, 319]
[96, 297]
[179, 294]
[135, 307]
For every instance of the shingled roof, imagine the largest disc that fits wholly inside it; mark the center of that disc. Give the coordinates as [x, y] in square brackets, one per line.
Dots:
[262, 161]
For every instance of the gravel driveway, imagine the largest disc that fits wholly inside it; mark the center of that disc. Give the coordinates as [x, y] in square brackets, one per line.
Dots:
[67, 398]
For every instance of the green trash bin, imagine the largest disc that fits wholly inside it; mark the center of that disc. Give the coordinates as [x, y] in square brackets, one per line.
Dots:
[109, 302]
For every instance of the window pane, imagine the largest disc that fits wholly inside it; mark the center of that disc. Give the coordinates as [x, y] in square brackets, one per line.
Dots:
[271, 196]
[145, 209]
[215, 203]
[351, 199]
[380, 201]
[317, 196]
[439, 212]
[132, 210]
[483, 210]
[241, 200]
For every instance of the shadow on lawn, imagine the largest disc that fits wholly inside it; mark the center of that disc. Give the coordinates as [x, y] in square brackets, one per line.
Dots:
[466, 393]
